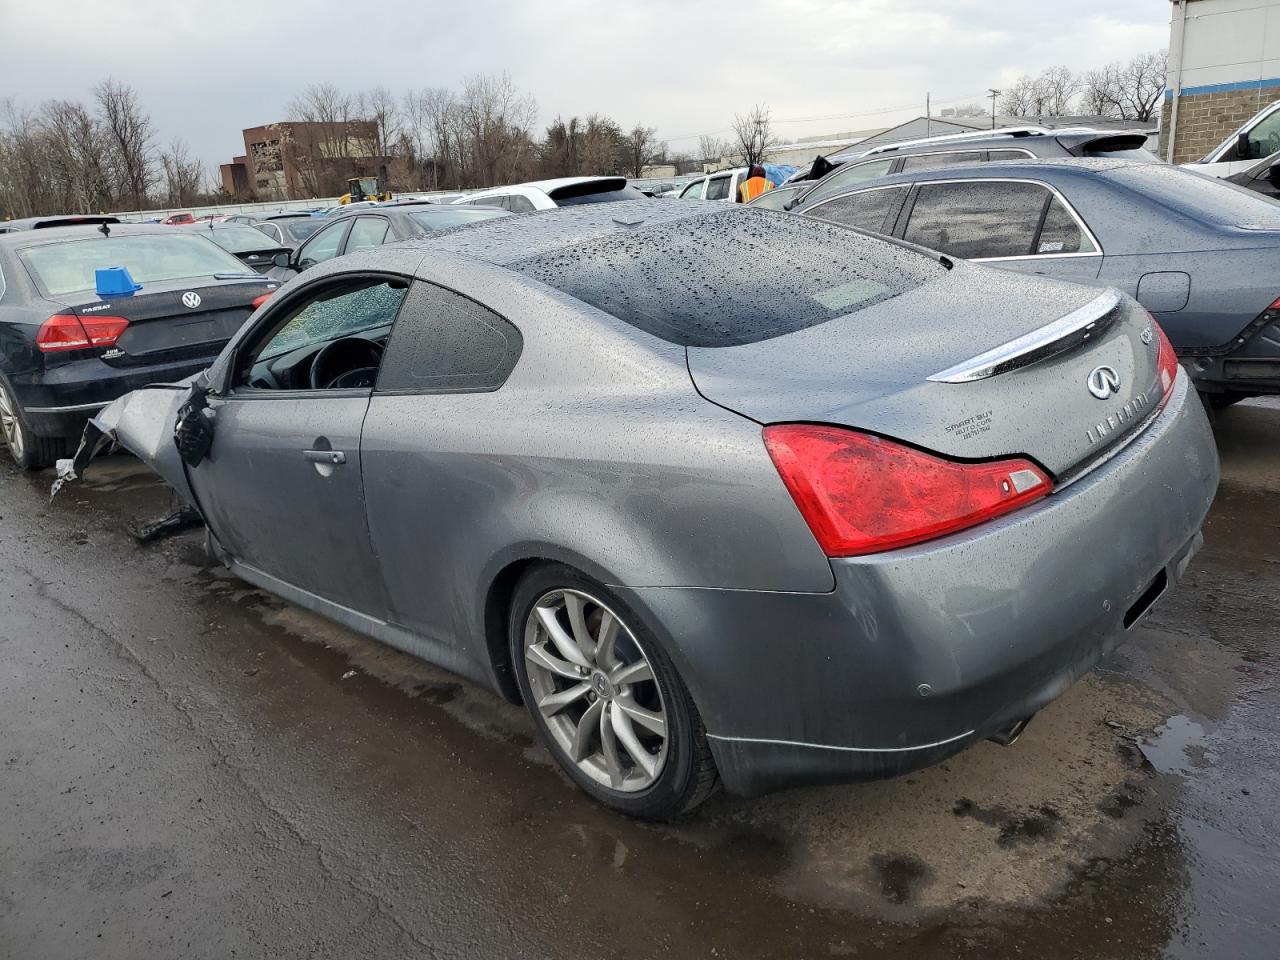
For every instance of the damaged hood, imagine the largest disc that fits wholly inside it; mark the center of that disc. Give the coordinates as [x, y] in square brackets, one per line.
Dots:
[143, 423]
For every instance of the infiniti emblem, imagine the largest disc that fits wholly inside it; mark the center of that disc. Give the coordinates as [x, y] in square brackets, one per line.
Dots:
[1103, 382]
[191, 299]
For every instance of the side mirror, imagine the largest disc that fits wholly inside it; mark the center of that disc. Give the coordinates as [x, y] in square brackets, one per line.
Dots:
[282, 259]
[1242, 146]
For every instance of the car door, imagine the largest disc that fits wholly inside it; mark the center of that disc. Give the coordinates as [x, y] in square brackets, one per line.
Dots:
[281, 486]
[324, 244]
[429, 480]
[1021, 225]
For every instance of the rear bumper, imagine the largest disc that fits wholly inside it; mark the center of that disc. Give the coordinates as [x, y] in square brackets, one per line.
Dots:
[57, 401]
[919, 652]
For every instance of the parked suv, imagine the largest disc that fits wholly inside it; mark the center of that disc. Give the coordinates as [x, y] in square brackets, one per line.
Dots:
[1014, 143]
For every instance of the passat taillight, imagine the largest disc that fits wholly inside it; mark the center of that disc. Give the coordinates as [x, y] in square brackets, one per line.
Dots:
[1166, 364]
[863, 494]
[259, 301]
[66, 331]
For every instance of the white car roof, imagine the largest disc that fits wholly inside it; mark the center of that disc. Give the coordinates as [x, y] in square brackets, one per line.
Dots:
[544, 186]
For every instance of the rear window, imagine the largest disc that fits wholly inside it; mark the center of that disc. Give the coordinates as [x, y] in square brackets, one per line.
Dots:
[1205, 198]
[731, 278]
[445, 218]
[300, 228]
[236, 238]
[601, 196]
[71, 266]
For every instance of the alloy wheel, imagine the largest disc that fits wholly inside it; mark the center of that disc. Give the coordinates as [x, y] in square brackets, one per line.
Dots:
[595, 690]
[9, 424]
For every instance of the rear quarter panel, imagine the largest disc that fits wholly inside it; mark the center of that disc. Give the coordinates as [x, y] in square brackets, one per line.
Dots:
[597, 452]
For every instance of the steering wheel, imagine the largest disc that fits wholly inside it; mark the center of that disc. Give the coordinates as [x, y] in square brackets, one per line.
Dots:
[346, 362]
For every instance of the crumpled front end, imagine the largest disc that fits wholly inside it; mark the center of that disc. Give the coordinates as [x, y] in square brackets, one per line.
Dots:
[142, 422]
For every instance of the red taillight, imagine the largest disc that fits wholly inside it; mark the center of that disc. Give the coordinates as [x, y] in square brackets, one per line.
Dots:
[66, 331]
[863, 494]
[259, 301]
[1166, 364]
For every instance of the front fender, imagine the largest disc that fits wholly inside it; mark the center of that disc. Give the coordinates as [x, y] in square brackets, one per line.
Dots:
[143, 423]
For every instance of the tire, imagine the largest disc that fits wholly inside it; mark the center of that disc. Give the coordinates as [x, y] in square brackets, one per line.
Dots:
[30, 452]
[604, 678]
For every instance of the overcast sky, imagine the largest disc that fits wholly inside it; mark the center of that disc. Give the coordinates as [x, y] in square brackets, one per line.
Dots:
[206, 69]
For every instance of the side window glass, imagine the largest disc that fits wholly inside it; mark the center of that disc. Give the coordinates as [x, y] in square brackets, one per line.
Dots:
[367, 232]
[873, 210]
[1264, 139]
[936, 161]
[693, 191]
[271, 230]
[323, 246]
[977, 219]
[1008, 155]
[360, 313]
[445, 343]
[1061, 233]
[848, 176]
[519, 204]
[717, 188]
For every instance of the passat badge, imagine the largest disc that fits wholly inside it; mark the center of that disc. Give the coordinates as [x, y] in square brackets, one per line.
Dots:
[191, 299]
[1103, 382]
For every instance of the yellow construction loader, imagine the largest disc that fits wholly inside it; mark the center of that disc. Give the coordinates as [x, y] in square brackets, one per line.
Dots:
[364, 188]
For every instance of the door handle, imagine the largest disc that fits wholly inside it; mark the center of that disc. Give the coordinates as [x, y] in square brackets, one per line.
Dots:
[325, 456]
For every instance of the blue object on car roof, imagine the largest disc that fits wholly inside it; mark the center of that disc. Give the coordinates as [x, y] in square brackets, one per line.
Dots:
[115, 282]
[777, 173]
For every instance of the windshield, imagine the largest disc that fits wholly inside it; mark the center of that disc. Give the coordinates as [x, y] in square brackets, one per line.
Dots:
[731, 278]
[70, 266]
[447, 217]
[237, 239]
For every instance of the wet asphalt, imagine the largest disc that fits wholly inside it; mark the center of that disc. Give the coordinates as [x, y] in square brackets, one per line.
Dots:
[190, 767]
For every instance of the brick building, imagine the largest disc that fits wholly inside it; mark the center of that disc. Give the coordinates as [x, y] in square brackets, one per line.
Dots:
[295, 160]
[1224, 66]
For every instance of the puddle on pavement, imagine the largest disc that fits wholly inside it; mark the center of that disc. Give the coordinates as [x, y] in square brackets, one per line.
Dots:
[1179, 745]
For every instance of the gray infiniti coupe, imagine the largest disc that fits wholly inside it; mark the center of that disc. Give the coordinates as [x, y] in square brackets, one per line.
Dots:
[722, 495]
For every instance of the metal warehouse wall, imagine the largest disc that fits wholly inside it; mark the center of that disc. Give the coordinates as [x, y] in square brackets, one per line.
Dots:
[1224, 66]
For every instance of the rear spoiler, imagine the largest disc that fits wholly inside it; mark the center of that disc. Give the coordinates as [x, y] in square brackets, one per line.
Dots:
[1080, 144]
[600, 185]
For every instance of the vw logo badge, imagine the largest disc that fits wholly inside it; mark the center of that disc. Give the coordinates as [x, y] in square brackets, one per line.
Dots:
[191, 299]
[1103, 382]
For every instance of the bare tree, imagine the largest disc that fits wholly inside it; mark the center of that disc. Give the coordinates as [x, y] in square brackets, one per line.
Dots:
[1057, 87]
[642, 149]
[1100, 96]
[183, 174]
[379, 105]
[711, 148]
[1129, 91]
[754, 135]
[129, 132]
[496, 117]
[1142, 84]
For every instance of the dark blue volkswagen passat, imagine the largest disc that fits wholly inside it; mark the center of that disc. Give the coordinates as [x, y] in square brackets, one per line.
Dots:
[835, 519]
[69, 346]
[1201, 254]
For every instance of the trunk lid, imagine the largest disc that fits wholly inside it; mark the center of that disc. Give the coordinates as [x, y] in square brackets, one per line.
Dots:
[912, 369]
[175, 319]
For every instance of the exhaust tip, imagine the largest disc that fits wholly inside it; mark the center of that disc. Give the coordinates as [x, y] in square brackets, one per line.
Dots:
[1010, 734]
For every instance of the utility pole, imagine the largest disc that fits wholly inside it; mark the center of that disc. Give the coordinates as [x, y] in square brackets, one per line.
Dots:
[993, 94]
[928, 116]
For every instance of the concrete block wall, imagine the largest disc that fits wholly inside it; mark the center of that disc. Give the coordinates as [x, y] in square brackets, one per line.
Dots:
[1206, 119]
